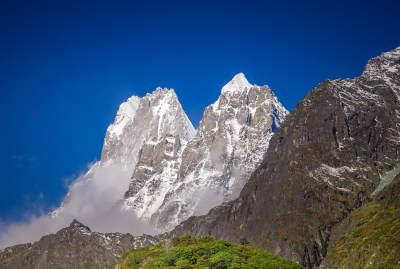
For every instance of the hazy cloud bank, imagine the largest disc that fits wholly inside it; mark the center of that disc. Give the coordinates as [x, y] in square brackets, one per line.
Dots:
[93, 200]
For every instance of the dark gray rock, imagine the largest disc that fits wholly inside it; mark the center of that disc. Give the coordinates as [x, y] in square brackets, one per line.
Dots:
[369, 237]
[73, 247]
[323, 162]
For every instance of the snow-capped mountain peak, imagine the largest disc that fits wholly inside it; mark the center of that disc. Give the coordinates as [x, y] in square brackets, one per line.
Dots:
[238, 83]
[230, 142]
[125, 114]
[175, 171]
[157, 114]
[147, 133]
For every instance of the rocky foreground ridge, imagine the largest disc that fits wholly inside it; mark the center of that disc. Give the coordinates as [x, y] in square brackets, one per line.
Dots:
[73, 247]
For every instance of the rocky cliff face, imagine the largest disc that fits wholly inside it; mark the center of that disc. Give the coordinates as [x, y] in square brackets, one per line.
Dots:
[159, 155]
[145, 120]
[73, 247]
[325, 160]
[154, 175]
[231, 140]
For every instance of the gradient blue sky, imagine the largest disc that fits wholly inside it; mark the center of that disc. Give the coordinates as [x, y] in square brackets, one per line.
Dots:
[65, 66]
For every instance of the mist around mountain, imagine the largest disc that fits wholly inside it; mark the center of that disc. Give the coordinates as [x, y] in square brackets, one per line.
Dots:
[156, 169]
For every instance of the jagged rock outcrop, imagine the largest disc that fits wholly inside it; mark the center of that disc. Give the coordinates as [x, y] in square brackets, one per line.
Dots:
[231, 141]
[145, 120]
[154, 175]
[73, 247]
[159, 155]
[324, 161]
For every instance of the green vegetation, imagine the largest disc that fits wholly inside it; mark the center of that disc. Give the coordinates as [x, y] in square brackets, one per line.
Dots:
[206, 252]
[370, 236]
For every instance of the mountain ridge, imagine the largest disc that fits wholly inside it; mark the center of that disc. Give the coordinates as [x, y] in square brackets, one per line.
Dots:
[231, 139]
[324, 161]
[75, 246]
[151, 140]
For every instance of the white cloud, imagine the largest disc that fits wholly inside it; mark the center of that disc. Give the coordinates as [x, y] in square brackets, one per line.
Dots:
[93, 201]
[206, 200]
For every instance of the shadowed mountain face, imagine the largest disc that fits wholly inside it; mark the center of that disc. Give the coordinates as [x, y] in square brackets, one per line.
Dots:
[369, 237]
[323, 162]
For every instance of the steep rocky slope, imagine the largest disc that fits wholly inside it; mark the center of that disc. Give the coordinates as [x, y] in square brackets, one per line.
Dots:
[164, 130]
[323, 162]
[370, 236]
[73, 247]
[230, 143]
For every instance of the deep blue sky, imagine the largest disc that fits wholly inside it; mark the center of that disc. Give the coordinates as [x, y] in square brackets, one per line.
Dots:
[65, 66]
